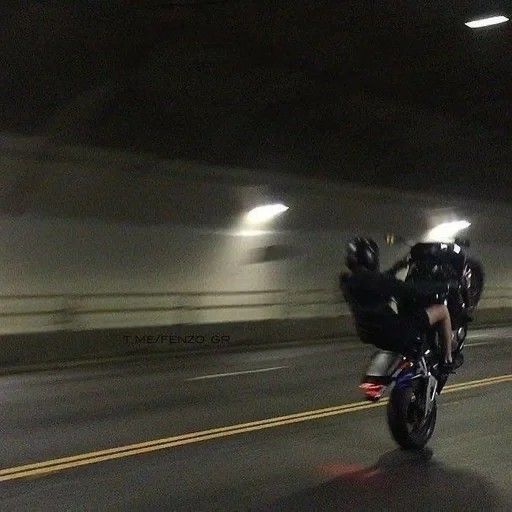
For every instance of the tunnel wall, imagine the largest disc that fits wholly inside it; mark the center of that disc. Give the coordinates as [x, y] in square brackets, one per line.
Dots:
[82, 271]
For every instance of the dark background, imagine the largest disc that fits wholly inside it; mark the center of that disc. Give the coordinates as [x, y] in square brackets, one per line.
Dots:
[386, 93]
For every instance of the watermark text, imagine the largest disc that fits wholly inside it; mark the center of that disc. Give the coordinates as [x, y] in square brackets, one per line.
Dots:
[174, 339]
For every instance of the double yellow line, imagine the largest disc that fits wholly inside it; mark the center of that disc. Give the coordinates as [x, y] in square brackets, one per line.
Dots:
[51, 466]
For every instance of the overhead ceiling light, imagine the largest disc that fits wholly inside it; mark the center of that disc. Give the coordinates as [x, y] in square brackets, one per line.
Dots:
[485, 22]
[252, 232]
[447, 231]
[265, 213]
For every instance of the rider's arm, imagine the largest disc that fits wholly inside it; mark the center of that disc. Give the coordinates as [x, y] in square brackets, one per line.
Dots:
[399, 265]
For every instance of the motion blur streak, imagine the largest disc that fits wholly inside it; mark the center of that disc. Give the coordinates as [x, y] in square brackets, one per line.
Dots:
[50, 466]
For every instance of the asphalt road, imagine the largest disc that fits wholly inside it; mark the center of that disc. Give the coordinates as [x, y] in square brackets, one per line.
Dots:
[187, 434]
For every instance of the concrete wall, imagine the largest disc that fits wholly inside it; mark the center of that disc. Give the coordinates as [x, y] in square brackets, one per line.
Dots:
[113, 241]
[127, 275]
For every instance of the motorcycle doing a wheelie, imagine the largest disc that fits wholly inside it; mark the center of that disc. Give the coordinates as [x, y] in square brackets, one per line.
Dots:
[414, 377]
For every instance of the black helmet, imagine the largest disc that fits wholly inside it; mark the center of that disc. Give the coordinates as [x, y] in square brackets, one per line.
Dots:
[362, 252]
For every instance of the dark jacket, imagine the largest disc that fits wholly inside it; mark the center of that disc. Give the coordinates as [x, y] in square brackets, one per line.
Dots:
[368, 295]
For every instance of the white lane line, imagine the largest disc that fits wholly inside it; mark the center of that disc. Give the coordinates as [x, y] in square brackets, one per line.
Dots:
[503, 334]
[216, 375]
[481, 343]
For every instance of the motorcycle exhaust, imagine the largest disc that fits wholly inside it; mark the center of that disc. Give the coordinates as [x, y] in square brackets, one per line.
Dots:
[379, 374]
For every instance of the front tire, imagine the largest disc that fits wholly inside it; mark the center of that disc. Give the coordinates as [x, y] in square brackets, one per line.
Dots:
[407, 426]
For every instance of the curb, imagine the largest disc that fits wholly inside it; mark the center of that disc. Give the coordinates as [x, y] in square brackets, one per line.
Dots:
[248, 346]
[140, 358]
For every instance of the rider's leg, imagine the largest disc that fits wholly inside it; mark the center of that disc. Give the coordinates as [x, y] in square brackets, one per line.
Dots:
[439, 314]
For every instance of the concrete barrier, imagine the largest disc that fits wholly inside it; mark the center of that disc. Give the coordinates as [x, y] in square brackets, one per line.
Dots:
[65, 345]
[52, 349]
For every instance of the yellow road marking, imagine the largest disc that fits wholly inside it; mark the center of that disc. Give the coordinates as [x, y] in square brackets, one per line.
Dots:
[50, 466]
[184, 437]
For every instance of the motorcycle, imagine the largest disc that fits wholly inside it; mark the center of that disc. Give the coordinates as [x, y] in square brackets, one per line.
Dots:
[414, 377]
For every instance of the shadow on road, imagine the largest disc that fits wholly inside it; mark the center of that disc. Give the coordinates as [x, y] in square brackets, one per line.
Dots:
[400, 480]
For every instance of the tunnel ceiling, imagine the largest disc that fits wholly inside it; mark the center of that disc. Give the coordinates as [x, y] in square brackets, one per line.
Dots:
[382, 93]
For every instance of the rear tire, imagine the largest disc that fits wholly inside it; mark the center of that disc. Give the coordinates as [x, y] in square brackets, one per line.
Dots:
[406, 427]
[462, 332]
[475, 286]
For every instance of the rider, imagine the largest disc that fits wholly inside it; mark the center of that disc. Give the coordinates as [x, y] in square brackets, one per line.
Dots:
[369, 292]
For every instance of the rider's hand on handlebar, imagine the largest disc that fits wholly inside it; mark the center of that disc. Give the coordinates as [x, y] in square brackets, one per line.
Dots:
[400, 264]
[405, 261]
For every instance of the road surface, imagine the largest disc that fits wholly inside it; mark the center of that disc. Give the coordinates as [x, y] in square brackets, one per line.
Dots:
[274, 429]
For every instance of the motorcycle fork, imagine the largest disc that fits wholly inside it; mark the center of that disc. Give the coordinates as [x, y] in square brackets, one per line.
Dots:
[431, 385]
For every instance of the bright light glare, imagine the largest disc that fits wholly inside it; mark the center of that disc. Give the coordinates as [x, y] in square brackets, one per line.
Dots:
[485, 22]
[265, 213]
[252, 232]
[446, 232]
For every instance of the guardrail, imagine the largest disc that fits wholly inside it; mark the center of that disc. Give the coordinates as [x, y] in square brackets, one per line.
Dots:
[50, 312]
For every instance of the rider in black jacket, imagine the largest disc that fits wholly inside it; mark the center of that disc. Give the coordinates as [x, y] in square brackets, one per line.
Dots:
[368, 293]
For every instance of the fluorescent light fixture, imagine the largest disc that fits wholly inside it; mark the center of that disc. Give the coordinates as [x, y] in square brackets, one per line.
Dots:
[447, 230]
[485, 22]
[252, 232]
[265, 213]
